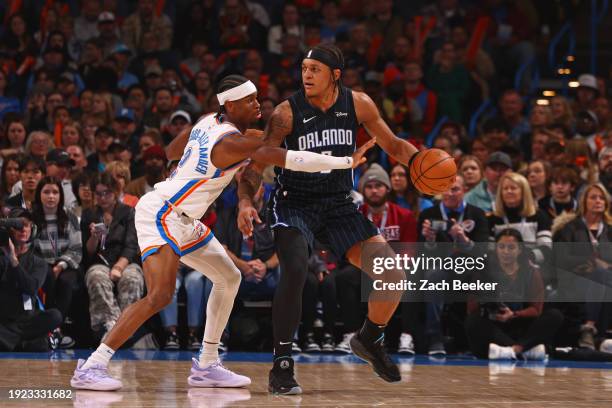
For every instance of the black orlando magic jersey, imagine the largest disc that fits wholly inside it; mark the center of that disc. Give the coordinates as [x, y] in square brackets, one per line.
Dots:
[333, 133]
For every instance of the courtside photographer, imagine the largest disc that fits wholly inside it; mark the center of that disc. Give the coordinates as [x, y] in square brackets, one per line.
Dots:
[23, 325]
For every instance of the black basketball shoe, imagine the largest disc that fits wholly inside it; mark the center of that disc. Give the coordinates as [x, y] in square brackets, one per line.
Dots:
[282, 379]
[374, 353]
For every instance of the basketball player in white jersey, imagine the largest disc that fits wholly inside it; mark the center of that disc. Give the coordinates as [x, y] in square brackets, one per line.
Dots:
[169, 231]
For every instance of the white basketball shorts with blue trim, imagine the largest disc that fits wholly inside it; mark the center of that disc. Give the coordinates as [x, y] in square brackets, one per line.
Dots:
[157, 225]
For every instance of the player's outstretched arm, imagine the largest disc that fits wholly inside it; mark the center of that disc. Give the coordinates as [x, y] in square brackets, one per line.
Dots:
[369, 116]
[309, 162]
[236, 147]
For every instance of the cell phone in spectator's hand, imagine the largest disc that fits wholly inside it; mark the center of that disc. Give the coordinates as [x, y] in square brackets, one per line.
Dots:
[438, 225]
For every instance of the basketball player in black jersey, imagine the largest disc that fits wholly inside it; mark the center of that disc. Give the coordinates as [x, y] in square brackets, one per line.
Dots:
[323, 117]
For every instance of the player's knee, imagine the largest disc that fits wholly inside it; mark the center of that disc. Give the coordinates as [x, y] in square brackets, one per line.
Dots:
[233, 279]
[394, 275]
[292, 246]
[159, 299]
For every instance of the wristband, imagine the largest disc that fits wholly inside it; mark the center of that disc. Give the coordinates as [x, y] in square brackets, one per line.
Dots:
[412, 158]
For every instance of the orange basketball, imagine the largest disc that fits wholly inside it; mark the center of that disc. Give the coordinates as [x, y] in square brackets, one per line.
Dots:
[433, 171]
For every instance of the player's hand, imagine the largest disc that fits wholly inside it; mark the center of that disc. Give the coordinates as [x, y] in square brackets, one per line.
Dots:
[358, 156]
[246, 215]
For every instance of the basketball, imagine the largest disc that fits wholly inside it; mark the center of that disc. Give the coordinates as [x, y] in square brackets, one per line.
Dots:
[433, 171]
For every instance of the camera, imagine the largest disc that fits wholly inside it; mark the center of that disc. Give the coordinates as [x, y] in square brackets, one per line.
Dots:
[5, 224]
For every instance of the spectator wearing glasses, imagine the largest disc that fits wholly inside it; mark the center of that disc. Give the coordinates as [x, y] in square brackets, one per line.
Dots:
[111, 255]
[38, 144]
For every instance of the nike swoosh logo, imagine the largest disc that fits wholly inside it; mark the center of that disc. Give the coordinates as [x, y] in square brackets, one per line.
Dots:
[308, 120]
[284, 342]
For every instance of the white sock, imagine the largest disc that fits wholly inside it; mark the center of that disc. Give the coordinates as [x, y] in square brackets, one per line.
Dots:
[101, 356]
[209, 353]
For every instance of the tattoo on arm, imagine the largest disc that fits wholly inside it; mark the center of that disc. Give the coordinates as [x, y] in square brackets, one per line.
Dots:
[279, 125]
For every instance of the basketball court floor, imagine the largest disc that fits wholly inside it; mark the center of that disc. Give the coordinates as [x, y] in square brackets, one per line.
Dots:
[159, 379]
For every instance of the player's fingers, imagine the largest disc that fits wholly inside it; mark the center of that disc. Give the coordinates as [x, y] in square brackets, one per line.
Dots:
[255, 217]
[359, 162]
[368, 145]
[246, 225]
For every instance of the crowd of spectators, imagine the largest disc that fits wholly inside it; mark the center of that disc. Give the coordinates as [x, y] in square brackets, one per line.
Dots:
[92, 91]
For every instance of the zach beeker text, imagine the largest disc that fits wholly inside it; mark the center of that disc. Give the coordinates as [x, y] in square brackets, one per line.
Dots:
[430, 286]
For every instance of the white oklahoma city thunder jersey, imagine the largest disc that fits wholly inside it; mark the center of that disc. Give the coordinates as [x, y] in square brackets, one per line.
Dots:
[196, 183]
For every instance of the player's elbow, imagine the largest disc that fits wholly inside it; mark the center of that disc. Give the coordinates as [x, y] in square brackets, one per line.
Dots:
[269, 156]
[172, 155]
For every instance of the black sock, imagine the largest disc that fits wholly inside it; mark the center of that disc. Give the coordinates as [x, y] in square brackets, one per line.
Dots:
[371, 332]
[281, 349]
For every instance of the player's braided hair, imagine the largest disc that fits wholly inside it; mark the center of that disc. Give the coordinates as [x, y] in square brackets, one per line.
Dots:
[335, 53]
[229, 82]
